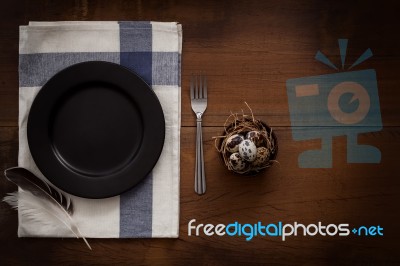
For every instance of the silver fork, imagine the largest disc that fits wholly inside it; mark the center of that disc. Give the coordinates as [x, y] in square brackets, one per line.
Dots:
[198, 96]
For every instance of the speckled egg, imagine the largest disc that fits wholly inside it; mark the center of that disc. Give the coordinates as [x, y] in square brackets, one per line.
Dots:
[262, 157]
[248, 150]
[255, 136]
[236, 162]
[232, 143]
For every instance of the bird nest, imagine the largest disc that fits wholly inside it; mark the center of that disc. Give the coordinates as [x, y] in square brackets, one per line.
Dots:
[243, 127]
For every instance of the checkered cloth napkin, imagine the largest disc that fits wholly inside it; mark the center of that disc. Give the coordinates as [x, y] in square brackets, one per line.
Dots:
[153, 51]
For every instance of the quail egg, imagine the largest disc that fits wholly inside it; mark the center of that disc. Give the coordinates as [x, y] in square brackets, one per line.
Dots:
[262, 157]
[236, 162]
[232, 143]
[255, 136]
[248, 150]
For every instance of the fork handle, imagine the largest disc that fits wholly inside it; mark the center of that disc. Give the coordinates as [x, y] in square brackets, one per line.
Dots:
[200, 178]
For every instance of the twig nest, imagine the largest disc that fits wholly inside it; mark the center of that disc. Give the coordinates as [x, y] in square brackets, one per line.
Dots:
[247, 145]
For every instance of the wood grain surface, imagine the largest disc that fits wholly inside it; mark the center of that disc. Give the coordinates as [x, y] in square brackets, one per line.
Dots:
[248, 49]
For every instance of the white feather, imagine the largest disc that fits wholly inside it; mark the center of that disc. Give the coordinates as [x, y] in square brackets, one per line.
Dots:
[42, 211]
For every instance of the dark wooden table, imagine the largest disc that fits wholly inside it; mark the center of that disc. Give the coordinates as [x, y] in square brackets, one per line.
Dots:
[248, 50]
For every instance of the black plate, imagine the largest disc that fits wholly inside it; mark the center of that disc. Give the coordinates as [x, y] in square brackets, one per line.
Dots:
[96, 129]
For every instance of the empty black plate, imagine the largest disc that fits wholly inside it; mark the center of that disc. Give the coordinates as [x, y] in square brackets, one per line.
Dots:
[96, 129]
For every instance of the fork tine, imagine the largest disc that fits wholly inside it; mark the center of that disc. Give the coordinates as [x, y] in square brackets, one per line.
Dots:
[205, 87]
[191, 88]
[201, 87]
[196, 93]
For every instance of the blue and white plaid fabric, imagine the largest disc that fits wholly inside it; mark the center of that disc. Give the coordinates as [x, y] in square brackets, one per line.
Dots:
[151, 49]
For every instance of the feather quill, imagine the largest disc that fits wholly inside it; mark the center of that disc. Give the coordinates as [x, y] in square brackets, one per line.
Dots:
[40, 201]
